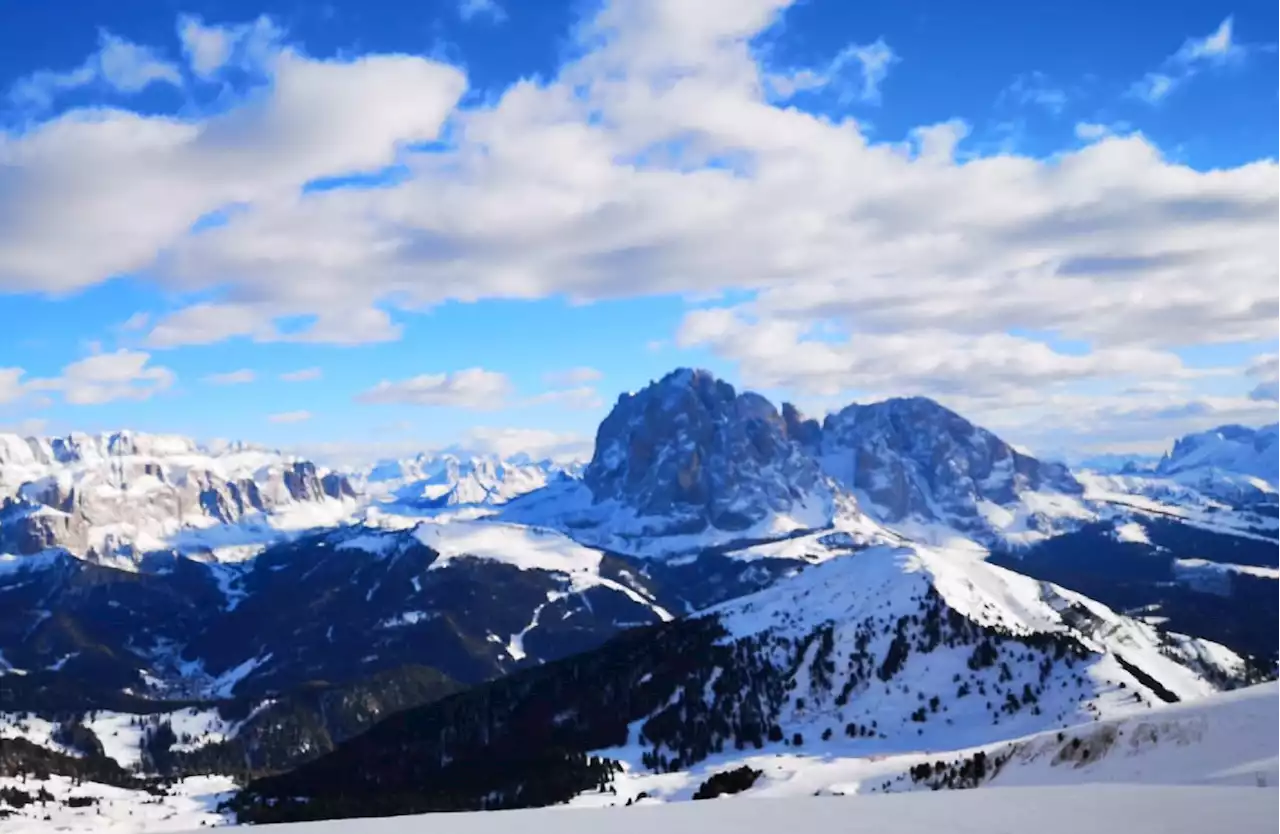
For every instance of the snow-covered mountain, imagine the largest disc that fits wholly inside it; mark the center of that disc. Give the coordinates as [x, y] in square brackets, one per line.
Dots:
[693, 452]
[688, 463]
[889, 669]
[124, 493]
[885, 651]
[1230, 460]
[431, 481]
[917, 464]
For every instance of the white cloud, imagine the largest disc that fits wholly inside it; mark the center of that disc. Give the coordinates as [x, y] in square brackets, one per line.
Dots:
[1035, 88]
[581, 398]
[63, 229]
[30, 427]
[472, 9]
[871, 62]
[782, 353]
[11, 388]
[290, 417]
[1268, 391]
[209, 49]
[118, 64]
[1154, 87]
[1216, 47]
[135, 322]
[473, 388]
[1265, 369]
[1093, 131]
[572, 376]
[302, 375]
[654, 162]
[538, 444]
[106, 377]
[240, 377]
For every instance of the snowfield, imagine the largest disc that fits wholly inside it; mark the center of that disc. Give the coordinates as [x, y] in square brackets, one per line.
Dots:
[1095, 809]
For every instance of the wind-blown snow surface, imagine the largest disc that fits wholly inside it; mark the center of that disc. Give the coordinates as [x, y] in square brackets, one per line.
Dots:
[1131, 810]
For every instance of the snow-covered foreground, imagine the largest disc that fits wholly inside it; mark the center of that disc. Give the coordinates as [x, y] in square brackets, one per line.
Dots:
[1228, 739]
[191, 803]
[1131, 809]
[1129, 774]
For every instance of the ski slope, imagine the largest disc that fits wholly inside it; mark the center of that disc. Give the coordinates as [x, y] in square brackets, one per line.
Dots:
[1095, 808]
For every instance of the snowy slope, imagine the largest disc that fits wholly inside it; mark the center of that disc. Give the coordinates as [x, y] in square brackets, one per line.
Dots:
[871, 600]
[1228, 455]
[1228, 739]
[1123, 809]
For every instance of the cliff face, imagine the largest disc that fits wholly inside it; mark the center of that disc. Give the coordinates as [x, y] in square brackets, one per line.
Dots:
[692, 449]
[102, 494]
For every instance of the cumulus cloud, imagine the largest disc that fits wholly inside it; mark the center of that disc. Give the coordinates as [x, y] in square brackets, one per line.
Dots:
[118, 65]
[106, 377]
[473, 388]
[302, 375]
[782, 353]
[240, 377]
[657, 161]
[289, 417]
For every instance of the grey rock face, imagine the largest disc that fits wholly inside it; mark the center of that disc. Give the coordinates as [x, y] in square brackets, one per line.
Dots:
[107, 493]
[690, 448]
[913, 457]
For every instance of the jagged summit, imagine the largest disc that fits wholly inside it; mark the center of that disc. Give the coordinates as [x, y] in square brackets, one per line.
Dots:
[690, 446]
[692, 449]
[914, 458]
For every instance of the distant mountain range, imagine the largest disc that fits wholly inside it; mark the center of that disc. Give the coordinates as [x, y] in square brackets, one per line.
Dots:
[803, 578]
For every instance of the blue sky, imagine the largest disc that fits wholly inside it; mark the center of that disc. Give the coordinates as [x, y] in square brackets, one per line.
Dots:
[370, 227]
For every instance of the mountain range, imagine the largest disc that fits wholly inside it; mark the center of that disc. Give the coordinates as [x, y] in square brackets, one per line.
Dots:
[725, 573]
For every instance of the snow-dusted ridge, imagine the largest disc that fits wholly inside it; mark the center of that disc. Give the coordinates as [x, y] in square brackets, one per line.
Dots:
[1227, 739]
[115, 495]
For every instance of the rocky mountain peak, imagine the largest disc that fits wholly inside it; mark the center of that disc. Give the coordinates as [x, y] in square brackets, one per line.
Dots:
[914, 457]
[124, 491]
[691, 448]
